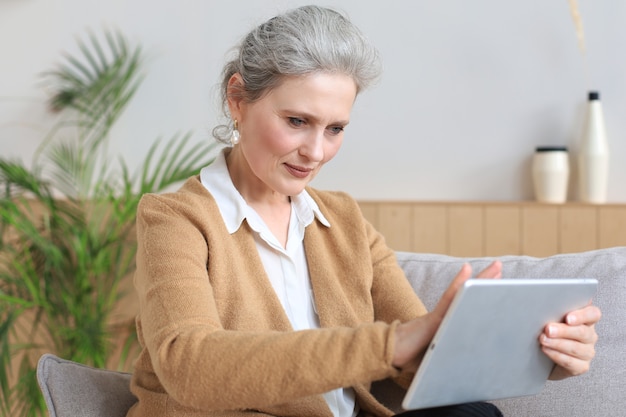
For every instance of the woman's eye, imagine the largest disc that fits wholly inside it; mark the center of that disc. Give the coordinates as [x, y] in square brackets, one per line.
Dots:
[296, 121]
[335, 130]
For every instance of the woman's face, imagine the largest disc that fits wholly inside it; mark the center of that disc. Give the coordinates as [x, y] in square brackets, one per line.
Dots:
[291, 132]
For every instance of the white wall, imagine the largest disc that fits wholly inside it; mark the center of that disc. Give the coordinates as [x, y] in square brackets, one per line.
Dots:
[469, 89]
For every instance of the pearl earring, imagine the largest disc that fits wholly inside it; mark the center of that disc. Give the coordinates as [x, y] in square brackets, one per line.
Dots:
[234, 138]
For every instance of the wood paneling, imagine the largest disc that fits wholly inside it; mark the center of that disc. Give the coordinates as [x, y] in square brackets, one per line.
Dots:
[394, 223]
[578, 228]
[465, 230]
[502, 230]
[497, 228]
[370, 212]
[540, 234]
[430, 228]
[612, 226]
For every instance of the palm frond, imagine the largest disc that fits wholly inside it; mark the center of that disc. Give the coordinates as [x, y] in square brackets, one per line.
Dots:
[7, 322]
[177, 162]
[17, 178]
[66, 224]
[97, 86]
[68, 171]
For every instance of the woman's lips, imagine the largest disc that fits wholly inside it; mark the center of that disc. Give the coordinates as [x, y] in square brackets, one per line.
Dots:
[298, 172]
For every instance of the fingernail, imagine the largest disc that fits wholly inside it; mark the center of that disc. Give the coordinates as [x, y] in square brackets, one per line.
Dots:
[551, 330]
[570, 319]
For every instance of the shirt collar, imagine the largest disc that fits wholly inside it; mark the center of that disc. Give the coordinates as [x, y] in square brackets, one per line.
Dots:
[234, 209]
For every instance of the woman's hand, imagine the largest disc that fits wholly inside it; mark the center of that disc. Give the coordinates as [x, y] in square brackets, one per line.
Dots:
[413, 337]
[571, 345]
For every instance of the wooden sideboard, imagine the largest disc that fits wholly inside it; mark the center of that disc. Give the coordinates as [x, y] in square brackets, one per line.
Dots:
[497, 228]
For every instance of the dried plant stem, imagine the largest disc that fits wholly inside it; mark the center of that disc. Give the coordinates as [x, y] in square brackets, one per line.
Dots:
[578, 24]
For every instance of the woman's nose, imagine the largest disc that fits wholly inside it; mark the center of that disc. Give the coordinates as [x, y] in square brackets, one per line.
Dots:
[313, 147]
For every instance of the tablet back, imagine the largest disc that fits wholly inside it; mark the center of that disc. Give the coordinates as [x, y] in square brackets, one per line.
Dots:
[487, 345]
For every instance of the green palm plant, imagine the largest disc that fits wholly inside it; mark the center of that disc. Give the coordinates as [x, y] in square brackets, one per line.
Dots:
[66, 222]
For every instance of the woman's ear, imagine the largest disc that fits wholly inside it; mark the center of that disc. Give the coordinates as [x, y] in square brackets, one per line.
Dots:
[234, 95]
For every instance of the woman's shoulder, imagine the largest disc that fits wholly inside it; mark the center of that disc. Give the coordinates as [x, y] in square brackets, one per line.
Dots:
[331, 198]
[333, 201]
[337, 205]
[191, 196]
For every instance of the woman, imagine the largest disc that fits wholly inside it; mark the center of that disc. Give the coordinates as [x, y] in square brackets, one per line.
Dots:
[260, 295]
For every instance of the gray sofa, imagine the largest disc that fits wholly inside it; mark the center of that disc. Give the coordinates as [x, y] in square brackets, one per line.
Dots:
[72, 389]
[600, 392]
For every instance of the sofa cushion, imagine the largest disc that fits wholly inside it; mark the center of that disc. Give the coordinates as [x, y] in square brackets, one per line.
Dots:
[73, 389]
[599, 392]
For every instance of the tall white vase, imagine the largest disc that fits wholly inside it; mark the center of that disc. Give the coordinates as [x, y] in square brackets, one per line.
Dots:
[593, 157]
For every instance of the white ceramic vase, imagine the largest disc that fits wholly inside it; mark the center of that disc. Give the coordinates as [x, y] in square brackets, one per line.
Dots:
[593, 157]
[550, 169]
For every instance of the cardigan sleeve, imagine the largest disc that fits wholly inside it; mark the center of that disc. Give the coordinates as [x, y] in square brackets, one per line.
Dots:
[392, 294]
[194, 357]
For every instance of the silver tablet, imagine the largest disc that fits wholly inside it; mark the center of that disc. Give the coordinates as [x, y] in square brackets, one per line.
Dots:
[487, 346]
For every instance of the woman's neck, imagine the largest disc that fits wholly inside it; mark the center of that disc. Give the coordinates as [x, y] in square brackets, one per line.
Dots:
[272, 207]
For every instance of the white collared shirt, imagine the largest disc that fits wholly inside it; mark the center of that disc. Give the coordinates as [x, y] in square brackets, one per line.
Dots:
[287, 267]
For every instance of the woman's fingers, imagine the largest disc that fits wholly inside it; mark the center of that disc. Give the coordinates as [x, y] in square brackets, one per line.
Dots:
[571, 345]
[494, 270]
[587, 315]
[463, 275]
[413, 337]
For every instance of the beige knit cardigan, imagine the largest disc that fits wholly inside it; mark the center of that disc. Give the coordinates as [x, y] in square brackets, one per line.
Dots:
[215, 338]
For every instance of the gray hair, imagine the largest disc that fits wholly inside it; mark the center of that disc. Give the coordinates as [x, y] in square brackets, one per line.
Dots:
[302, 41]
